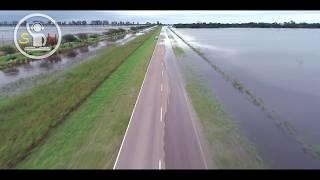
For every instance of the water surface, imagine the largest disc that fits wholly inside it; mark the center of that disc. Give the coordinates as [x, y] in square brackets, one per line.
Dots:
[280, 67]
[59, 62]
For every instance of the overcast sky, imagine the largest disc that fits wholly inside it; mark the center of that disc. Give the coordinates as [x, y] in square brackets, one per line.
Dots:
[173, 16]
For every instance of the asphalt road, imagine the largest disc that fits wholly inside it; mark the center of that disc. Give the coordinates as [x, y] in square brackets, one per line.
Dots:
[163, 131]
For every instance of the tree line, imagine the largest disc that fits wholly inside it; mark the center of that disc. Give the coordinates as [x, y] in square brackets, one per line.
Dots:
[83, 22]
[290, 24]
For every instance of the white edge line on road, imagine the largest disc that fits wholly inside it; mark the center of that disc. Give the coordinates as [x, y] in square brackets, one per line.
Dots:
[161, 114]
[115, 164]
[161, 87]
[160, 164]
[199, 143]
[162, 73]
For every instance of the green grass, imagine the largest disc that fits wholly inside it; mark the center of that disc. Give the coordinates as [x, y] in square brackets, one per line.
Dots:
[28, 119]
[178, 51]
[229, 148]
[6, 58]
[91, 136]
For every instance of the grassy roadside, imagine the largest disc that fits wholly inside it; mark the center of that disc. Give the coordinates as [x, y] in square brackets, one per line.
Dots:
[28, 119]
[91, 136]
[228, 147]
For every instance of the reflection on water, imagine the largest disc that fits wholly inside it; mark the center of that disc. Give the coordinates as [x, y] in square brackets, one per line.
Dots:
[28, 67]
[45, 64]
[57, 62]
[115, 38]
[54, 58]
[84, 49]
[278, 66]
[71, 54]
[94, 45]
[11, 71]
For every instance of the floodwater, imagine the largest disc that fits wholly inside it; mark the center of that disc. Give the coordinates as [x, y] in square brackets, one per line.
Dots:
[6, 32]
[278, 67]
[58, 62]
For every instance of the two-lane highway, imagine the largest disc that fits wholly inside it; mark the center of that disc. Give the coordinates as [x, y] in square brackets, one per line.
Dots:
[162, 132]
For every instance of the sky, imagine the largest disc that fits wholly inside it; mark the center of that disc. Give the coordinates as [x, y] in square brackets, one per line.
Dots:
[171, 17]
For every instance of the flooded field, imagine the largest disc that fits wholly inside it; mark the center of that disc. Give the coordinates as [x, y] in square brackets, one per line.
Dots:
[267, 80]
[6, 32]
[24, 76]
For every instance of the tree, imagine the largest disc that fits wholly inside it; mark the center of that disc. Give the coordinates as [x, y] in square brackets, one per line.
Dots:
[8, 49]
[105, 22]
[69, 38]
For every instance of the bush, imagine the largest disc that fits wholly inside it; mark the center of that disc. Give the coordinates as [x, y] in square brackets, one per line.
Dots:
[115, 31]
[136, 28]
[133, 28]
[94, 35]
[110, 31]
[69, 38]
[8, 49]
[121, 30]
[83, 36]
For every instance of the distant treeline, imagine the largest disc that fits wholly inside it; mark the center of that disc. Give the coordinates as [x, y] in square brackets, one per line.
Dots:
[290, 24]
[83, 22]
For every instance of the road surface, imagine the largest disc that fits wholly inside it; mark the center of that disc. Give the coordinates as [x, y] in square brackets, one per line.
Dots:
[163, 131]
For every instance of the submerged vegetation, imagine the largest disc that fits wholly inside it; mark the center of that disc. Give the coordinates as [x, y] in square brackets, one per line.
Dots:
[178, 51]
[69, 41]
[279, 121]
[228, 147]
